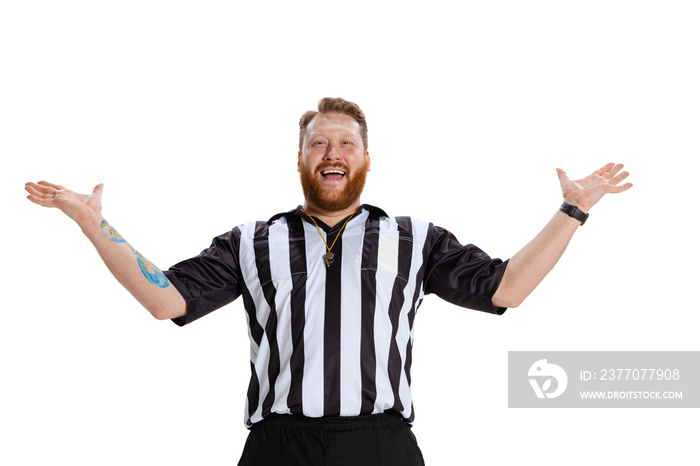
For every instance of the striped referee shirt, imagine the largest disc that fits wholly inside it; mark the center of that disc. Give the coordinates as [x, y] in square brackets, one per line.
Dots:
[333, 341]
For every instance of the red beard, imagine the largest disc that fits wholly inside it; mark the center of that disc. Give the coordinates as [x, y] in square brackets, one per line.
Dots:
[333, 201]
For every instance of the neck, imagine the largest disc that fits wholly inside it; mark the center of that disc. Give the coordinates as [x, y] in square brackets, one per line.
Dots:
[330, 218]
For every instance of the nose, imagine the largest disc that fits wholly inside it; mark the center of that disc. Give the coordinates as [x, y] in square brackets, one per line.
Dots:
[332, 153]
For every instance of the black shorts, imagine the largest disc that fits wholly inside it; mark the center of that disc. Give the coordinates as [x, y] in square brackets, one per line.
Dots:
[372, 440]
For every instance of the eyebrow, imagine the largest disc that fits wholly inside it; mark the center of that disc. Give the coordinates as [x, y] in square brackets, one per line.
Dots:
[315, 135]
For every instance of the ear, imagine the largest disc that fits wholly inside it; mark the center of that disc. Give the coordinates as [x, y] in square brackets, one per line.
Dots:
[299, 161]
[368, 160]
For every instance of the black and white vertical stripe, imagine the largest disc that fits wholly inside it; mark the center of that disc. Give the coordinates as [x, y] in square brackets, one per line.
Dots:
[331, 341]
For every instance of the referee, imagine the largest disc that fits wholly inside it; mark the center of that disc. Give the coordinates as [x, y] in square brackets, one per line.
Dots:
[330, 291]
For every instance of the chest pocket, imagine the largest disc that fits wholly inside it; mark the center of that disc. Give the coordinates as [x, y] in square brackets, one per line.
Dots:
[393, 253]
[388, 253]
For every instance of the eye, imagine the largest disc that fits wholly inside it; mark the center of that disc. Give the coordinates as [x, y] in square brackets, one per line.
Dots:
[319, 143]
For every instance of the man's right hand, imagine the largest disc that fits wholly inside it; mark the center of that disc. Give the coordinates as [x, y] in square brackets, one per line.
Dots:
[81, 208]
[146, 282]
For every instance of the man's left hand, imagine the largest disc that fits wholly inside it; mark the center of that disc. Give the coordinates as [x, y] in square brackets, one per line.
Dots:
[586, 192]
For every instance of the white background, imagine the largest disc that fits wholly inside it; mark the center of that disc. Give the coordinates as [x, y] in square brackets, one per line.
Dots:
[188, 111]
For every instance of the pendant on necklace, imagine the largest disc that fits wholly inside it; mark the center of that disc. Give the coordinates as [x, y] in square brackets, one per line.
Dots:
[328, 258]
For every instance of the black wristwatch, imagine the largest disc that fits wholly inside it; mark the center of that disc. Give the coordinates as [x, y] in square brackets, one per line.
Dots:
[575, 212]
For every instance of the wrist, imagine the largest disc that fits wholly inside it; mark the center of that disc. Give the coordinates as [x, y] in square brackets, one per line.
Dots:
[574, 211]
[89, 220]
[581, 203]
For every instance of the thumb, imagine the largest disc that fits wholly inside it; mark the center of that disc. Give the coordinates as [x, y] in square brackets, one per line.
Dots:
[96, 196]
[562, 175]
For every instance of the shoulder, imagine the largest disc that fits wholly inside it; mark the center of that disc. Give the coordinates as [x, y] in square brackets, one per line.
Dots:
[406, 226]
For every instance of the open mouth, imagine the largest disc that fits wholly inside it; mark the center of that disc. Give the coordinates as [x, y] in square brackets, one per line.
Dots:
[333, 173]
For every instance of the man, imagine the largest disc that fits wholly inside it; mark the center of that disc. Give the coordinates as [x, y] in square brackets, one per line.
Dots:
[330, 291]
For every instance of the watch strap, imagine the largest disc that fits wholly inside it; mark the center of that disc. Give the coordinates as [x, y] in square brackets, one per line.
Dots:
[574, 212]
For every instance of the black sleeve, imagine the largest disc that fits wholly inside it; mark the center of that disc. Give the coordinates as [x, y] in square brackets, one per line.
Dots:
[210, 280]
[462, 274]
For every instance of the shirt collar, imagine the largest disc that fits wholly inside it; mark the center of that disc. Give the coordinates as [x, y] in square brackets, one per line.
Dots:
[374, 212]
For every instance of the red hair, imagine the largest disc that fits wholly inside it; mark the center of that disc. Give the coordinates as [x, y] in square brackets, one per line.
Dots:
[334, 105]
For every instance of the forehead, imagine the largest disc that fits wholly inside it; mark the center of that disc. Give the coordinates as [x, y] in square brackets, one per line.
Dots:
[331, 123]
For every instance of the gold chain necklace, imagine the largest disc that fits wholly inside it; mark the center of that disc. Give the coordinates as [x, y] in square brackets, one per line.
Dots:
[328, 256]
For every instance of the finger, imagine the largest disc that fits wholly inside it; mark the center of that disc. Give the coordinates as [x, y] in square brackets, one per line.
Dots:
[615, 169]
[619, 189]
[619, 178]
[604, 169]
[41, 188]
[38, 190]
[30, 187]
[51, 185]
[41, 199]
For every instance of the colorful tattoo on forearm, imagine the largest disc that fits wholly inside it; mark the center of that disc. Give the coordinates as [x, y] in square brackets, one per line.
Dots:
[111, 233]
[152, 273]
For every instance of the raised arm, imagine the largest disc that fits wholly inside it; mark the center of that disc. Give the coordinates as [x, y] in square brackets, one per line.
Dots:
[138, 275]
[530, 265]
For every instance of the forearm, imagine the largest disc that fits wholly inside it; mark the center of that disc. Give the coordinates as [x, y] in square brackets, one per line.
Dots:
[531, 264]
[138, 275]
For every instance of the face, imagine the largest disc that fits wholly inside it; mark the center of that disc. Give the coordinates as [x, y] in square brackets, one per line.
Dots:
[333, 163]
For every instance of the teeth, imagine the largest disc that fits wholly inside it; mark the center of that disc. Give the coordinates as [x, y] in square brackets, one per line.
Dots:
[333, 172]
